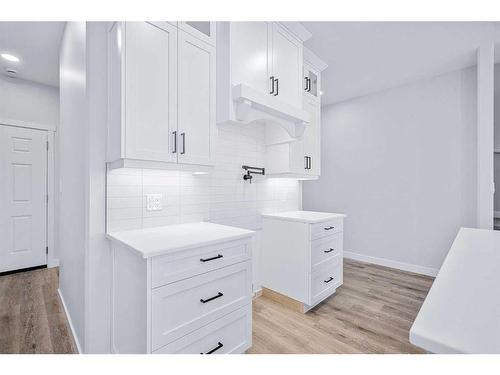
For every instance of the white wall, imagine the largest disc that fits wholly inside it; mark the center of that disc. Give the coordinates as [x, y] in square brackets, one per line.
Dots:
[98, 258]
[497, 137]
[28, 101]
[402, 165]
[72, 159]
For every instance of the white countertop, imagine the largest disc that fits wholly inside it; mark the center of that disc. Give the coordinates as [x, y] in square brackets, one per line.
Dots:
[461, 313]
[304, 216]
[151, 242]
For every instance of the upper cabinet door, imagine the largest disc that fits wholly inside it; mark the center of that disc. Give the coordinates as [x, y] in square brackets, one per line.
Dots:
[287, 65]
[204, 30]
[196, 100]
[311, 139]
[150, 91]
[311, 82]
[249, 54]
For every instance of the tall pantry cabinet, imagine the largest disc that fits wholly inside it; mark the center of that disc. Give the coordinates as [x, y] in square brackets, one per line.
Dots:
[158, 74]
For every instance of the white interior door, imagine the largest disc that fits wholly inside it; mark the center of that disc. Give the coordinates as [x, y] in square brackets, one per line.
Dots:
[23, 192]
[196, 99]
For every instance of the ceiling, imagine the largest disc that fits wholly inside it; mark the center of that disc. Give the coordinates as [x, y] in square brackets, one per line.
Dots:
[37, 46]
[366, 57]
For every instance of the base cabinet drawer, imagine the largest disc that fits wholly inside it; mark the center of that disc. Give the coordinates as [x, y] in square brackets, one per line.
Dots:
[184, 306]
[326, 248]
[177, 266]
[326, 279]
[326, 228]
[231, 334]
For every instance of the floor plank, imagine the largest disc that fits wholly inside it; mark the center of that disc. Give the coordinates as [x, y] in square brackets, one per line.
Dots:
[371, 313]
[31, 316]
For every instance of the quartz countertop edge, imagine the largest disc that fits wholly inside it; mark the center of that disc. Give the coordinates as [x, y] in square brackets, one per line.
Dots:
[460, 313]
[310, 217]
[150, 242]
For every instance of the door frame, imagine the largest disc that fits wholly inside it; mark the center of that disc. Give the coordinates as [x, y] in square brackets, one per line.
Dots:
[52, 261]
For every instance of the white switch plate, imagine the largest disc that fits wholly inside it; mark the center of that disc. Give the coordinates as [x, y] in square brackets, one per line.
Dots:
[154, 202]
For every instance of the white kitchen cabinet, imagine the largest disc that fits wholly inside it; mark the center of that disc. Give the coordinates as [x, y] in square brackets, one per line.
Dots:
[182, 289]
[143, 91]
[268, 58]
[311, 80]
[203, 30]
[161, 97]
[249, 55]
[300, 158]
[302, 255]
[265, 65]
[286, 65]
[196, 100]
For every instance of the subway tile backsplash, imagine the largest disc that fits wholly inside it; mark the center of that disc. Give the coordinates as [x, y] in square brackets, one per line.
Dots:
[220, 196]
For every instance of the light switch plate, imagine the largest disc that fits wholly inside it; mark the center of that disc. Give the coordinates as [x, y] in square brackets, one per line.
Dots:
[154, 202]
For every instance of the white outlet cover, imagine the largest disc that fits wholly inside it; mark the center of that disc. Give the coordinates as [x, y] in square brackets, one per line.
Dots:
[154, 202]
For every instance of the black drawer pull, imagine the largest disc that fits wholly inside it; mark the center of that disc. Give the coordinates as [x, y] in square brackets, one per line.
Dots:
[213, 258]
[327, 281]
[329, 228]
[329, 251]
[219, 345]
[211, 298]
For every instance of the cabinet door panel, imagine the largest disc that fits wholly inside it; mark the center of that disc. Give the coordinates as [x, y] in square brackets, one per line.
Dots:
[311, 139]
[196, 99]
[287, 66]
[249, 54]
[151, 86]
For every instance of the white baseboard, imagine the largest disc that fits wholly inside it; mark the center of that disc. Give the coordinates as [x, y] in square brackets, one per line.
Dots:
[428, 271]
[53, 263]
[73, 332]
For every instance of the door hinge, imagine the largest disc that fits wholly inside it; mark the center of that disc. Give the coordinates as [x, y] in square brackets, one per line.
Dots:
[47, 145]
[47, 198]
[46, 249]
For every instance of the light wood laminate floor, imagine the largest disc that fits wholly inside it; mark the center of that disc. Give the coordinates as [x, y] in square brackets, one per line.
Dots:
[32, 319]
[371, 313]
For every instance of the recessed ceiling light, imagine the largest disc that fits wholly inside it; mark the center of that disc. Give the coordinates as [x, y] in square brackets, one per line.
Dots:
[9, 57]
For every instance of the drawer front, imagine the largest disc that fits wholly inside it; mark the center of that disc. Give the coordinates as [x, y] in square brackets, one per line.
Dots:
[326, 248]
[326, 228]
[231, 334]
[182, 307]
[183, 264]
[326, 279]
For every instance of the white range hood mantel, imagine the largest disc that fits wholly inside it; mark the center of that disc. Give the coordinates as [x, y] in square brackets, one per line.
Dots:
[251, 105]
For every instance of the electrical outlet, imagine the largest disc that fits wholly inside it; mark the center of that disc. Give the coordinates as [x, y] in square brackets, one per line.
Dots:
[154, 202]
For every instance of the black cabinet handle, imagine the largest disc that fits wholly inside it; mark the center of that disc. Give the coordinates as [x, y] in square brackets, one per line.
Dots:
[327, 281]
[307, 83]
[328, 251]
[329, 228]
[183, 135]
[174, 133]
[306, 162]
[211, 298]
[309, 86]
[310, 163]
[219, 345]
[277, 87]
[213, 258]
[272, 85]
